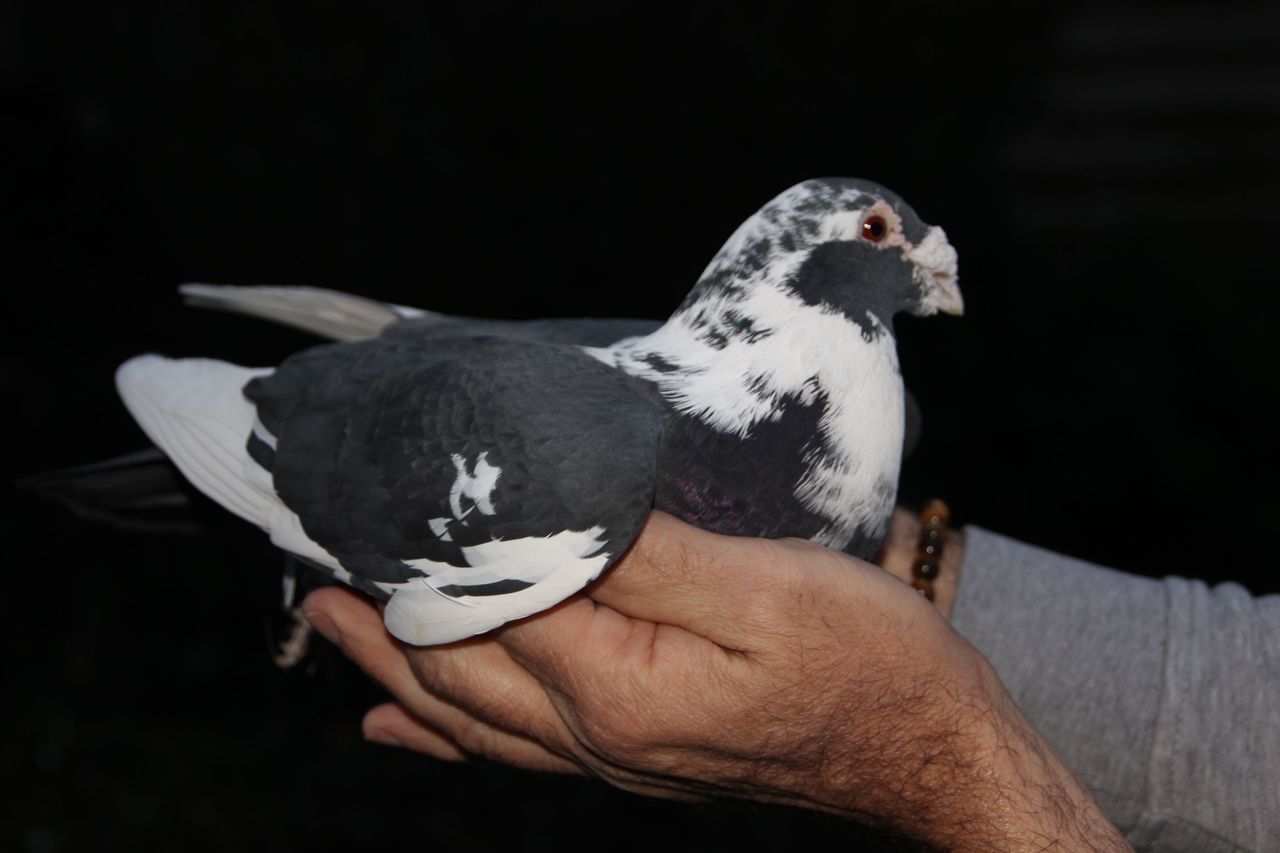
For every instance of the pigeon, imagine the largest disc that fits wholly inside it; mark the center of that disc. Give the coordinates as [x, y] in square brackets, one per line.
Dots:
[470, 472]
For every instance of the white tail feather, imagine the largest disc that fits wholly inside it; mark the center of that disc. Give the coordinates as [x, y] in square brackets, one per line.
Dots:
[194, 409]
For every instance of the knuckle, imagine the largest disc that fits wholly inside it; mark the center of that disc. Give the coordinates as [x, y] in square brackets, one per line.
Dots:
[670, 549]
[772, 593]
[669, 559]
[446, 675]
[431, 672]
[476, 737]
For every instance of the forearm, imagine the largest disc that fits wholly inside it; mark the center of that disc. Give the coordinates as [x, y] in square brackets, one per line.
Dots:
[1041, 802]
[978, 777]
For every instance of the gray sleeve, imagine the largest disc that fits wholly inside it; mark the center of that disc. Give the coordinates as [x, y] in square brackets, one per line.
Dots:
[1164, 696]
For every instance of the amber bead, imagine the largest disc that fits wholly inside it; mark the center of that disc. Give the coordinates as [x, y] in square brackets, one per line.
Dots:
[926, 569]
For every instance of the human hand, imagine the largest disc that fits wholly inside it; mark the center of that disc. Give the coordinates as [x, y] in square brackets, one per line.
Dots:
[704, 665]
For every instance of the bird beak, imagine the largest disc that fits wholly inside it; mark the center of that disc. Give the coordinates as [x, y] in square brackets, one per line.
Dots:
[935, 261]
[947, 298]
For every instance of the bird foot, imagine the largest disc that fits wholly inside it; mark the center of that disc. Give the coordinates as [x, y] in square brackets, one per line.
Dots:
[294, 648]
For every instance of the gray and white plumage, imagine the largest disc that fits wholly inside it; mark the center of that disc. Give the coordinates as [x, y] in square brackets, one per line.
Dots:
[477, 471]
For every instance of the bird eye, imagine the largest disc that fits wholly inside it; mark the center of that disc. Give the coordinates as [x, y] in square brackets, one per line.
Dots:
[874, 228]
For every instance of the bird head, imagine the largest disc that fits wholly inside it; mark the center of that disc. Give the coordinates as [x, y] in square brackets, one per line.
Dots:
[797, 309]
[846, 244]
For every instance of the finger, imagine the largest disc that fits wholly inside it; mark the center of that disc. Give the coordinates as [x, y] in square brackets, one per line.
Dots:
[355, 627]
[512, 710]
[394, 725]
[725, 588]
[391, 724]
[480, 677]
[596, 664]
[351, 623]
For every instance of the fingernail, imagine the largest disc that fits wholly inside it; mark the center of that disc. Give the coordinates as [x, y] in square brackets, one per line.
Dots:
[382, 737]
[325, 626]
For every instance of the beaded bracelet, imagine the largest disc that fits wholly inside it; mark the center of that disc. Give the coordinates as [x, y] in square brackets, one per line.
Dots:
[933, 531]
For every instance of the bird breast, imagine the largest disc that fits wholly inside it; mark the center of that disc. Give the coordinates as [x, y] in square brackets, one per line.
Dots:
[801, 402]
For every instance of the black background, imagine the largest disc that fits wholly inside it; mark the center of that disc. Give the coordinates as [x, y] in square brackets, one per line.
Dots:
[1108, 173]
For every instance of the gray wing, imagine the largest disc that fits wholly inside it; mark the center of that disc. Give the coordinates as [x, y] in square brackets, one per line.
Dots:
[475, 480]
[330, 314]
[578, 331]
[342, 316]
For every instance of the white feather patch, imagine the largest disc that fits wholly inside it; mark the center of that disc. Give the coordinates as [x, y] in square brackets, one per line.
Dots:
[260, 432]
[476, 485]
[557, 566]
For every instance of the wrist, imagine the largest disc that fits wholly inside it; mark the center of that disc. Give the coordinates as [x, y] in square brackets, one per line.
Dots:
[1036, 800]
[956, 765]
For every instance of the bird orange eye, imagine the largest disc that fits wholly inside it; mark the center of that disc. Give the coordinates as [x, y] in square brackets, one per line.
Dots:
[874, 228]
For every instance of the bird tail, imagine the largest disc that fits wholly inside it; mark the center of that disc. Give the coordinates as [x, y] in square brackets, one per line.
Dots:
[330, 314]
[194, 409]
